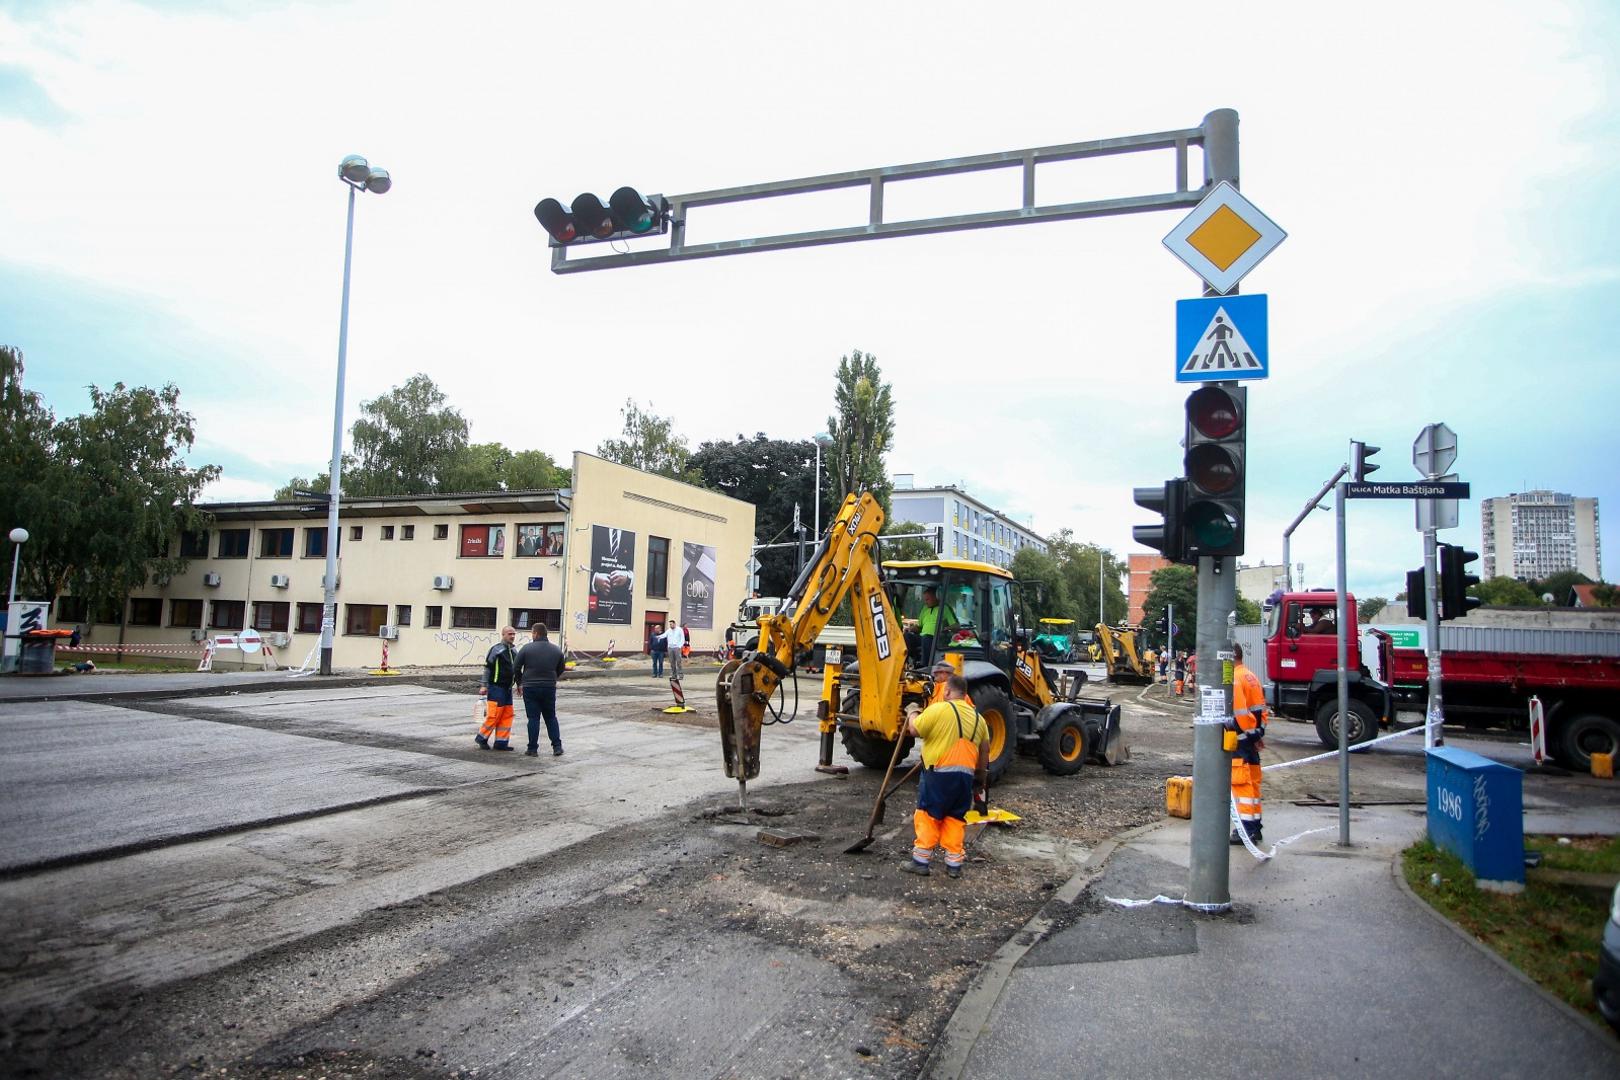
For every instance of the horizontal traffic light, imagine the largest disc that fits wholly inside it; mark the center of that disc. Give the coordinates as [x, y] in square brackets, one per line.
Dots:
[1166, 501]
[626, 213]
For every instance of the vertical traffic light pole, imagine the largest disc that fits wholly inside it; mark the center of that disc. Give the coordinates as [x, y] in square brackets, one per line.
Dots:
[1342, 630]
[1435, 712]
[1209, 861]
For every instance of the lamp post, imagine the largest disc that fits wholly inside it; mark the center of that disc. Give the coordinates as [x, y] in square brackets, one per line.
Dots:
[19, 537]
[821, 439]
[357, 173]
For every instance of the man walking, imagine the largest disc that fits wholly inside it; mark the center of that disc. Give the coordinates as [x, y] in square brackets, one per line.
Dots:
[1249, 718]
[539, 665]
[674, 641]
[956, 764]
[500, 669]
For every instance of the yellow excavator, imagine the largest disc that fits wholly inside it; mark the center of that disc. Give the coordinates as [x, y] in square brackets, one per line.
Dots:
[906, 615]
[1118, 646]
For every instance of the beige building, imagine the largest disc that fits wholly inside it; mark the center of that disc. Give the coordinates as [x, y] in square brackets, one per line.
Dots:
[1257, 583]
[437, 576]
[1534, 534]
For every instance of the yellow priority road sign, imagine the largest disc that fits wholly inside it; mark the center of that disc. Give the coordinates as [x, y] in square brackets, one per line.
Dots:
[1224, 238]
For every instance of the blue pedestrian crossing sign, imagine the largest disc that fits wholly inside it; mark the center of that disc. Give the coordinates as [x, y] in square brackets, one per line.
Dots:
[1222, 337]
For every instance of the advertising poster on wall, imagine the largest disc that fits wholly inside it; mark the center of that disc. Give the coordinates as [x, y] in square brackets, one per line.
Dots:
[539, 540]
[697, 586]
[613, 574]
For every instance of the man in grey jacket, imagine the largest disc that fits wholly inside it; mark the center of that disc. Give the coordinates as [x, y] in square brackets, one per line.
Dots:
[539, 665]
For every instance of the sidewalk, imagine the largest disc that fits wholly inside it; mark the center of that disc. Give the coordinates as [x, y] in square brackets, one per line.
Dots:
[1325, 968]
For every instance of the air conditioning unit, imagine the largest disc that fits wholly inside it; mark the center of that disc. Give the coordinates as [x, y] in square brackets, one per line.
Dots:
[443, 581]
[199, 635]
[277, 641]
[279, 581]
[211, 579]
[390, 633]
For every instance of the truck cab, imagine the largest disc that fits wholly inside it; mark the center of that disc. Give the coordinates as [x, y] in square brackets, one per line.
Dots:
[1302, 659]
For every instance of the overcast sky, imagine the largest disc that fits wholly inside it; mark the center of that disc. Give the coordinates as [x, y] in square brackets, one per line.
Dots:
[169, 211]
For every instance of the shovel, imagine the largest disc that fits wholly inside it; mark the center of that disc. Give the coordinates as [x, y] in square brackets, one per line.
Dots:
[884, 792]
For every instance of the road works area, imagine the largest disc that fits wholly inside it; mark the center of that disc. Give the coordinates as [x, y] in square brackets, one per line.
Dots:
[301, 880]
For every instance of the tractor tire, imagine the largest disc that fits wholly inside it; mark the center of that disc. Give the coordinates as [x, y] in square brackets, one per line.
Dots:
[1585, 734]
[992, 704]
[1363, 724]
[870, 750]
[1063, 745]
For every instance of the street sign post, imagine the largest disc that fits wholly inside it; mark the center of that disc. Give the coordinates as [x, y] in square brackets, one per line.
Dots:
[1222, 337]
[1437, 513]
[1224, 238]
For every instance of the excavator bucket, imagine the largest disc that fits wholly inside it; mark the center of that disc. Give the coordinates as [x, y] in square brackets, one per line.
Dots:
[1104, 740]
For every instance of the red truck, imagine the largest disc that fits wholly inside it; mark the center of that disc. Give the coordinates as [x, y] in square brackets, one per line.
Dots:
[1488, 675]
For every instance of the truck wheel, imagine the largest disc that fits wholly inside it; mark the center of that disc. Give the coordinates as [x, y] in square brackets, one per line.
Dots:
[993, 705]
[1063, 745]
[1586, 734]
[1363, 724]
[869, 749]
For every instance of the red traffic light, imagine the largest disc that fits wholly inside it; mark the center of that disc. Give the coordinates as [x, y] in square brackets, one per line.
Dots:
[591, 218]
[627, 211]
[1214, 412]
[556, 220]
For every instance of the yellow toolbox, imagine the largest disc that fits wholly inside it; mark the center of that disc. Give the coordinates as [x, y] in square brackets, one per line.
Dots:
[1603, 765]
[1178, 796]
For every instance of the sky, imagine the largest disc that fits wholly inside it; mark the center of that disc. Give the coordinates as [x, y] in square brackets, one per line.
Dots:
[170, 212]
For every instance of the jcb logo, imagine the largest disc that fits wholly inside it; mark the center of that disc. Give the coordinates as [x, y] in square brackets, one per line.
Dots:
[855, 522]
[880, 625]
[1025, 670]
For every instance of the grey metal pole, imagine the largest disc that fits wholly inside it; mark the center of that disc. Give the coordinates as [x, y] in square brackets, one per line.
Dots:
[16, 554]
[1316, 500]
[1169, 627]
[1288, 573]
[1209, 857]
[334, 491]
[818, 490]
[1343, 677]
[1435, 713]
[1100, 618]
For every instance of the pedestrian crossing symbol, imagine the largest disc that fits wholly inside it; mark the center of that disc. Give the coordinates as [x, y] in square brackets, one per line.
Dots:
[1222, 337]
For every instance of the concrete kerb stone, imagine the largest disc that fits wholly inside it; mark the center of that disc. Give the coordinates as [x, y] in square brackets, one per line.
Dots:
[949, 1056]
[1558, 1003]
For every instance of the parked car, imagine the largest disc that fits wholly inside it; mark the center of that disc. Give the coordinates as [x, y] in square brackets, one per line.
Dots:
[1606, 987]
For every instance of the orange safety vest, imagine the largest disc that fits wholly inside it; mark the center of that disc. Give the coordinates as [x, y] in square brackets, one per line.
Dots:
[1248, 698]
[963, 756]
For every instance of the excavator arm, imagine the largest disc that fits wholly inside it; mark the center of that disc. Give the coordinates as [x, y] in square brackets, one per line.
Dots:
[845, 564]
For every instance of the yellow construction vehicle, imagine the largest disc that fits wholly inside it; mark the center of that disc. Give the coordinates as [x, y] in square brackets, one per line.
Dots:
[906, 614]
[1118, 645]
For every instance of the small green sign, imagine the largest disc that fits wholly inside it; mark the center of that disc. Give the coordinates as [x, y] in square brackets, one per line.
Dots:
[1404, 637]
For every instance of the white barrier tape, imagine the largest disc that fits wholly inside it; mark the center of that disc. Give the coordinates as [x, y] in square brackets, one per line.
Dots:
[1334, 753]
[1208, 909]
[1243, 834]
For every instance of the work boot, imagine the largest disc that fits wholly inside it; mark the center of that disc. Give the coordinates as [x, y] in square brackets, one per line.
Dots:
[1253, 828]
[531, 752]
[502, 746]
[952, 871]
[921, 869]
[556, 751]
[483, 743]
[1236, 840]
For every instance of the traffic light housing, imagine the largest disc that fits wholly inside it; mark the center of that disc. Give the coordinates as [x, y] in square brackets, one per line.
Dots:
[1417, 594]
[1361, 460]
[626, 213]
[1166, 501]
[1455, 580]
[1212, 514]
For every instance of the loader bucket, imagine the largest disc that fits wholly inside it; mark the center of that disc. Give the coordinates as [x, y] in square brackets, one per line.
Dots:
[1105, 741]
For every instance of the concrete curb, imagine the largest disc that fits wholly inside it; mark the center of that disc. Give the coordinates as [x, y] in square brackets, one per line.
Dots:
[947, 1060]
[1558, 1003]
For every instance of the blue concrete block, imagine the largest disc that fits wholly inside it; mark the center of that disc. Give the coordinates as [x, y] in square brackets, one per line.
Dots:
[1476, 812]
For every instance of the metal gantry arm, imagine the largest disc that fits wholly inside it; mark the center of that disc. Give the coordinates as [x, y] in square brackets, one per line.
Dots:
[875, 180]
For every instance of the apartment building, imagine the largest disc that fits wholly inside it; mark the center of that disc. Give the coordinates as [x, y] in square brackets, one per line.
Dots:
[972, 528]
[1533, 534]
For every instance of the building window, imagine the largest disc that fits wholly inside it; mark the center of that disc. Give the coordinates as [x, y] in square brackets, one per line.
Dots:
[387, 532]
[71, 609]
[145, 611]
[275, 543]
[441, 532]
[539, 541]
[364, 619]
[272, 615]
[309, 618]
[186, 613]
[402, 614]
[194, 545]
[657, 566]
[524, 618]
[472, 618]
[483, 541]
[407, 532]
[233, 543]
[226, 614]
[315, 542]
[433, 615]
[357, 532]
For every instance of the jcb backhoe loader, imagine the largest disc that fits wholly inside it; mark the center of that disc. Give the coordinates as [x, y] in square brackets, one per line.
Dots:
[1125, 665]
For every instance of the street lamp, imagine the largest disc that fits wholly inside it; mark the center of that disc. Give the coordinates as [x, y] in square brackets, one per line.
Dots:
[357, 173]
[821, 438]
[19, 537]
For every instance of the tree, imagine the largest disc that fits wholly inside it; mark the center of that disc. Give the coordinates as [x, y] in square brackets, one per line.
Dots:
[405, 440]
[477, 467]
[1078, 564]
[1248, 613]
[1367, 610]
[649, 444]
[1505, 592]
[862, 430]
[33, 490]
[1561, 585]
[773, 474]
[907, 550]
[535, 470]
[1035, 567]
[1177, 585]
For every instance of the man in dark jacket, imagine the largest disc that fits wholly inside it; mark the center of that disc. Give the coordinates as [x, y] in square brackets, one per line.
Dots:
[500, 670]
[539, 665]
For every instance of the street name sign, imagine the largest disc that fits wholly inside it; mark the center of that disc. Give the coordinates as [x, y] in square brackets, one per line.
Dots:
[1224, 238]
[1417, 489]
[1222, 337]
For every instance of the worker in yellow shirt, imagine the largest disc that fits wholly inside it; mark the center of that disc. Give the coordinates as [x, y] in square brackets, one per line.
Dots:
[956, 766]
[1249, 718]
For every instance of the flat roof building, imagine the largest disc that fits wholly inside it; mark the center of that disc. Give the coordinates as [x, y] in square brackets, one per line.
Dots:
[1532, 535]
[972, 528]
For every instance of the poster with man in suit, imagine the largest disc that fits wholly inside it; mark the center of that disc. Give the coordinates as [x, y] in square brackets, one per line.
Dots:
[697, 586]
[613, 574]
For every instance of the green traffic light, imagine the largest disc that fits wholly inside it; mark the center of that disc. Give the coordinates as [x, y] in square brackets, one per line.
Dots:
[1210, 525]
